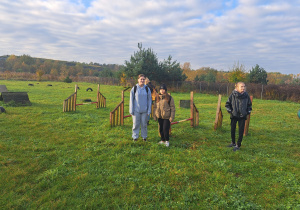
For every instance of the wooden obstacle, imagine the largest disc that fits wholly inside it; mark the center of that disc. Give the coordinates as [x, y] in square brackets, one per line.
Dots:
[247, 123]
[117, 115]
[17, 97]
[219, 115]
[69, 104]
[194, 117]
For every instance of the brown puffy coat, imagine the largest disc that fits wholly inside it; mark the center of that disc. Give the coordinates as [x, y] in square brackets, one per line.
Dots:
[162, 109]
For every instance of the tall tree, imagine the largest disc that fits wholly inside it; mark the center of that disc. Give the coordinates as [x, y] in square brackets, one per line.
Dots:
[145, 61]
[258, 75]
[237, 73]
[172, 70]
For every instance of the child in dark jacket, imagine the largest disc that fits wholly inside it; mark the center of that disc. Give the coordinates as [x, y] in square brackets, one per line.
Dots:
[239, 106]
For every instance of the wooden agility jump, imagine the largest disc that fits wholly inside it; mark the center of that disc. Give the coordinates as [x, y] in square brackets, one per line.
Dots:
[219, 117]
[194, 116]
[69, 104]
[117, 115]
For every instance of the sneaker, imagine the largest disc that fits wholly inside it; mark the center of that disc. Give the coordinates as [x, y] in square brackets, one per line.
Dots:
[144, 139]
[134, 139]
[236, 148]
[167, 143]
[231, 145]
[161, 142]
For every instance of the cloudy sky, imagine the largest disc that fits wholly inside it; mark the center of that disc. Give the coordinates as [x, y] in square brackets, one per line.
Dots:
[206, 33]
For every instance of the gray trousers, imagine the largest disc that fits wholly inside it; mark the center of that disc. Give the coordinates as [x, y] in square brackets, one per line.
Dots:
[139, 120]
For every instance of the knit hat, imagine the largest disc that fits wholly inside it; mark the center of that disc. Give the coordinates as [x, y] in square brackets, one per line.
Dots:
[163, 86]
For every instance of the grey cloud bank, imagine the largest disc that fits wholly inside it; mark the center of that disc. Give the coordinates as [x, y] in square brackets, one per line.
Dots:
[215, 34]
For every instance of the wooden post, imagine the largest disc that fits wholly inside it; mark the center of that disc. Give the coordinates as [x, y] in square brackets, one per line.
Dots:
[247, 121]
[219, 115]
[75, 97]
[122, 109]
[98, 96]
[192, 108]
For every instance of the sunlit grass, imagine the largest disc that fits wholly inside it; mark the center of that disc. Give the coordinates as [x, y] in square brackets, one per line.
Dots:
[51, 159]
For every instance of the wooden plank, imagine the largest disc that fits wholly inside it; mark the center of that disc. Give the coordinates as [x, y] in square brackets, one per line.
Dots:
[219, 115]
[247, 123]
[192, 108]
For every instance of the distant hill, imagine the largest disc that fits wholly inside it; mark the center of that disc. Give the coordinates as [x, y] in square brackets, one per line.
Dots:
[91, 65]
[26, 63]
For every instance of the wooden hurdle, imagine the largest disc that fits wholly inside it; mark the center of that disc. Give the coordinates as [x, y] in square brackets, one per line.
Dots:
[70, 104]
[219, 115]
[101, 100]
[117, 115]
[194, 117]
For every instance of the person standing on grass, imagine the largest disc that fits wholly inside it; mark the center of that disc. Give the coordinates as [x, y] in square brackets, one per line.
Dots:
[239, 106]
[140, 107]
[164, 112]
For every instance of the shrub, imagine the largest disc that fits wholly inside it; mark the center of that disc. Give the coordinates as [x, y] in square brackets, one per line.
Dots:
[68, 80]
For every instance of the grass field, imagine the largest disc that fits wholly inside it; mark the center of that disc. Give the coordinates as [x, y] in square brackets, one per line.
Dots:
[55, 160]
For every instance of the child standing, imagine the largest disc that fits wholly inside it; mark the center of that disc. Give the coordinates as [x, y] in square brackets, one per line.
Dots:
[140, 108]
[164, 112]
[239, 106]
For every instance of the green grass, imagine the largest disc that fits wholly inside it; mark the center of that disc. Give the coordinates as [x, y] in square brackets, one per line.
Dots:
[55, 160]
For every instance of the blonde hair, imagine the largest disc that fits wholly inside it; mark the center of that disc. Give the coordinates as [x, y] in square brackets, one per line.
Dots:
[147, 80]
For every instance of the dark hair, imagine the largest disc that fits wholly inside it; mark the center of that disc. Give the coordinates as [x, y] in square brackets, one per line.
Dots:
[163, 86]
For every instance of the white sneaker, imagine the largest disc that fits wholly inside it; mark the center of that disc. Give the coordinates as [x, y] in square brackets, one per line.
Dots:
[161, 142]
[167, 143]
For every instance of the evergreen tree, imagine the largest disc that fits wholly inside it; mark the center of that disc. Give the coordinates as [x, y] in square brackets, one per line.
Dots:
[145, 61]
[258, 75]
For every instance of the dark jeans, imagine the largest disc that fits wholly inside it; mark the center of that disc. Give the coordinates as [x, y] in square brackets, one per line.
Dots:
[164, 127]
[241, 122]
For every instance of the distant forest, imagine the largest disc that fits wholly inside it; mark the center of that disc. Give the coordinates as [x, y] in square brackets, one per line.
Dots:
[41, 66]
[48, 69]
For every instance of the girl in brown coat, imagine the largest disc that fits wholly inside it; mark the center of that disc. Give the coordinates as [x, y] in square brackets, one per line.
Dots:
[164, 112]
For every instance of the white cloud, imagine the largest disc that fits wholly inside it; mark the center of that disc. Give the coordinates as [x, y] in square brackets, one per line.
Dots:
[204, 33]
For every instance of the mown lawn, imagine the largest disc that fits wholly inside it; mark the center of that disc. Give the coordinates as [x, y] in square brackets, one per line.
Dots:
[55, 160]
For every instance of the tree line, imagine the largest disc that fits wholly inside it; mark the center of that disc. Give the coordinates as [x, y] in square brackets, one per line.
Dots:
[238, 72]
[142, 61]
